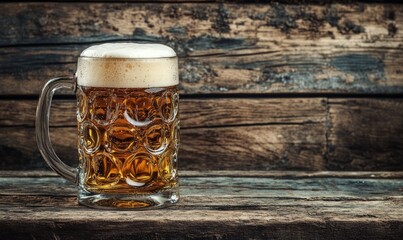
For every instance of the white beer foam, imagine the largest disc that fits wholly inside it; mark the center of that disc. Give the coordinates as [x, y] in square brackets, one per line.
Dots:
[128, 65]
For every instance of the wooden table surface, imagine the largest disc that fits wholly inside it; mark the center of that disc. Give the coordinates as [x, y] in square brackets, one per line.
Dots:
[215, 205]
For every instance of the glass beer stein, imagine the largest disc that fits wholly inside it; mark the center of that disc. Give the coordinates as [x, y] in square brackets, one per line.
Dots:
[128, 126]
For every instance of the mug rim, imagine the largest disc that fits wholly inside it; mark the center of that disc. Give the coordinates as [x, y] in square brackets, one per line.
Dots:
[127, 59]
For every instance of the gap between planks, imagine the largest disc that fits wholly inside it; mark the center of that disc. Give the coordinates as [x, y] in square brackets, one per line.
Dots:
[240, 173]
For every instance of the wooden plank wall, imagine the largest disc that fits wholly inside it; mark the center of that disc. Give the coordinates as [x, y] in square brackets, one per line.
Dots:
[264, 85]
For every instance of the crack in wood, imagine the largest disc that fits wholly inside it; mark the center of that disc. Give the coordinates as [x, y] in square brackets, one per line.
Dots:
[253, 124]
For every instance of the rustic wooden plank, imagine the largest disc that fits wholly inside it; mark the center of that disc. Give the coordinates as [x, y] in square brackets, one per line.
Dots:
[19, 149]
[284, 133]
[213, 207]
[194, 113]
[235, 1]
[362, 135]
[243, 228]
[226, 182]
[150, 22]
[303, 134]
[257, 174]
[290, 146]
[325, 69]
[240, 173]
[224, 48]
[293, 146]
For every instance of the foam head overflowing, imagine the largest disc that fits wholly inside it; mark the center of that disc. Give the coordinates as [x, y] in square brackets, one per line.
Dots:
[128, 65]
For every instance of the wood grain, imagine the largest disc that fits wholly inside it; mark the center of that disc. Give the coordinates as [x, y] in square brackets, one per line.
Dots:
[306, 54]
[194, 113]
[261, 147]
[283, 134]
[361, 129]
[239, 173]
[236, 1]
[223, 206]
[242, 134]
[224, 48]
[188, 21]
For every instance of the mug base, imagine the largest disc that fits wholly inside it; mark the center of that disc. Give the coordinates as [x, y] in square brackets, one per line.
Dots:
[160, 199]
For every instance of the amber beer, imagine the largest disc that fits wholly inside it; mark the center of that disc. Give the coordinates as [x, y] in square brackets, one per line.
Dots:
[128, 138]
[128, 125]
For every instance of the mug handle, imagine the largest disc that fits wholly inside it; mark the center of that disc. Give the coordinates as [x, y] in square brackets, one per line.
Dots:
[42, 127]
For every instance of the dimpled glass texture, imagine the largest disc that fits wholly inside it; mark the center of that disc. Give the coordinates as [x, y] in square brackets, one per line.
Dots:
[128, 139]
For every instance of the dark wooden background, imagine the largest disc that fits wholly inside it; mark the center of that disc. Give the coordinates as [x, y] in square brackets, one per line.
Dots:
[264, 85]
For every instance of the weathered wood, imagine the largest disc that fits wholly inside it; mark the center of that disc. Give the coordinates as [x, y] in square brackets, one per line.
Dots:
[283, 134]
[259, 186]
[235, 1]
[294, 146]
[361, 129]
[224, 48]
[223, 206]
[299, 146]
[258, 174]
[240, 173]
[184, 21]
[194, 113]
[240, 134]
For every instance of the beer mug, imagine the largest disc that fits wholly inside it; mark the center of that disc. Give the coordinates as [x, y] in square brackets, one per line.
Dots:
[128, 126]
